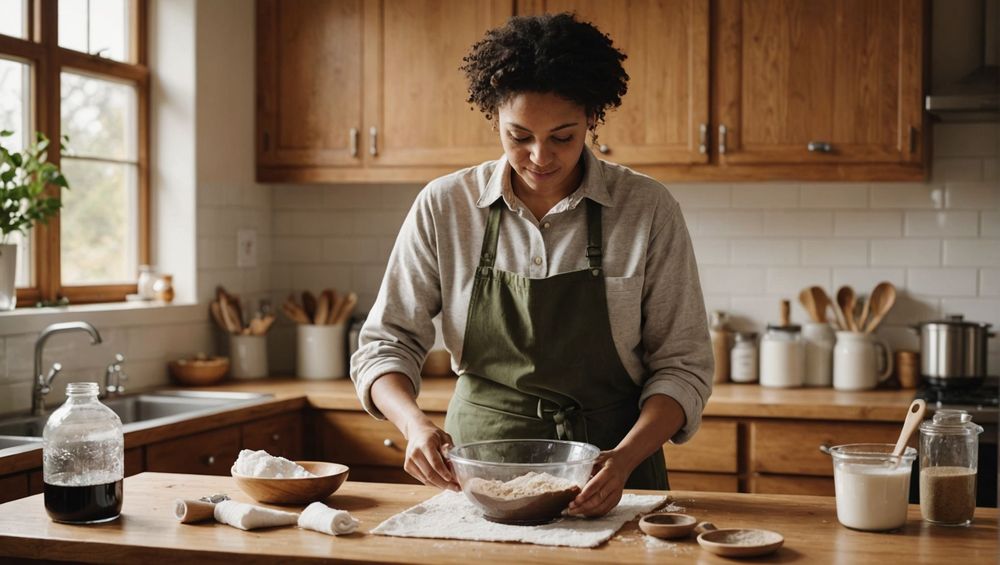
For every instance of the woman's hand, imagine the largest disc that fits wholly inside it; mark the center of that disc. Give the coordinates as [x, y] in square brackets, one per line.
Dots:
[603, 491]
[425, 448]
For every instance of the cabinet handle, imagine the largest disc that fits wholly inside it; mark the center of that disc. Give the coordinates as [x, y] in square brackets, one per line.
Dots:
[373, 148]
[603, 149]
[275, 437]
[703, 136]
[722, 139]
[819, 147]
[388, 443]
[209, 460]
[354, 142]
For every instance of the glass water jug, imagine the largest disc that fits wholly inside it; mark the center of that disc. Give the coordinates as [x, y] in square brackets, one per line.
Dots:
[949, 451]
[83, 458]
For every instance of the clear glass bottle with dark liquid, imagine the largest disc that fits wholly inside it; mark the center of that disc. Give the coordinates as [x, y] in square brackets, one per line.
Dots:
[83, 459]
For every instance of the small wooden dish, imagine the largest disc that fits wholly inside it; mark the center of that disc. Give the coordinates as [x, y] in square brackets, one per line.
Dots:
[198, 371]
[667, 525]
[738, 542]
[329, 477]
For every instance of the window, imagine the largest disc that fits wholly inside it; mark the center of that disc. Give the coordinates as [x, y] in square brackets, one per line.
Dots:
[78, 68]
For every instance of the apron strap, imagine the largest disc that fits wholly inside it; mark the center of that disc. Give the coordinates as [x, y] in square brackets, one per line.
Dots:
[594, 237]
[488, 254]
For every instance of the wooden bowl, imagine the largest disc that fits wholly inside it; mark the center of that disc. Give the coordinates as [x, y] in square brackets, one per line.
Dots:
[738, 542]
[329, 477]
[199, 372]
[667, 525]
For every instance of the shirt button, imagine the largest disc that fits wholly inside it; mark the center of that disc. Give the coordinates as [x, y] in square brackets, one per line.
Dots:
[546, 225]
[538, 260]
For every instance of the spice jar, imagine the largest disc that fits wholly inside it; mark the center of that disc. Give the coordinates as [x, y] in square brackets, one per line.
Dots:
[949, 451]
[83, 458]
[721, 337]
[743, 358]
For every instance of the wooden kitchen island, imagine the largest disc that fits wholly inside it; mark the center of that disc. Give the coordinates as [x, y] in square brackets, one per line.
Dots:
[147, 532]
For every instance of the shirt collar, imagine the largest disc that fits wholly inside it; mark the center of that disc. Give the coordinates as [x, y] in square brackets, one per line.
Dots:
[592, 186]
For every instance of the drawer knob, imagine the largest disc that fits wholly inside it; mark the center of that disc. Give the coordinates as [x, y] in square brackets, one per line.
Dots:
[275, 437]
[209, 460]
[388, 443]
[604, 149]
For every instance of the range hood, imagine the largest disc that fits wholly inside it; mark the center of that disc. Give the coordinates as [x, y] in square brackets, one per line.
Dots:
[975, 97]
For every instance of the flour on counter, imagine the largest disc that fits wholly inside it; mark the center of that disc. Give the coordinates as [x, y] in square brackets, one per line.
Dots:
[263, 465]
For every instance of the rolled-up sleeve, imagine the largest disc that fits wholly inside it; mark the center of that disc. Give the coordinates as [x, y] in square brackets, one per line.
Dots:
[398, 332]
[678, 352]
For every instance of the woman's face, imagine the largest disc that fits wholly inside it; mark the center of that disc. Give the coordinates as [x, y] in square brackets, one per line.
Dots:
[543, 136]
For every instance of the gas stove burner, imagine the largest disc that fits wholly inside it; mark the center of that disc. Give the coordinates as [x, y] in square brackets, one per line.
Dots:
[985, 395]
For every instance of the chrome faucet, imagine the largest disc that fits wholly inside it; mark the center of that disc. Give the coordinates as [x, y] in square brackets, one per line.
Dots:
[43, 381]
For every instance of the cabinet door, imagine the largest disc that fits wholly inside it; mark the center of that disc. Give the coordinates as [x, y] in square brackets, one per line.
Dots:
[206, 453]
[355, 438]
[309, 80]
[793, 447]
[713, 448]
[663, 118]
[279, 435]
[801, 81]
[13, 487]
[415, 107]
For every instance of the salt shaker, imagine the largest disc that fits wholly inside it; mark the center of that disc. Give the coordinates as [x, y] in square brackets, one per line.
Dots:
[949, 450]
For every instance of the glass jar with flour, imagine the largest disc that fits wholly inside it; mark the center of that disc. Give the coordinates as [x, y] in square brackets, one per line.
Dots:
[949, 451]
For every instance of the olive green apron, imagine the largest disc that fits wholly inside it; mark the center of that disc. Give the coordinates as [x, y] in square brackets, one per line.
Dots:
[539, 360]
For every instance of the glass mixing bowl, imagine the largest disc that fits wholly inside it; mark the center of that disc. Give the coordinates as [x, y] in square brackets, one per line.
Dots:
[483, 467]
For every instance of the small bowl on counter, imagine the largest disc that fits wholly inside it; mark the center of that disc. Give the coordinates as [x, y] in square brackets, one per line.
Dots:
[522, 482]
[298, 490]
[199, 371]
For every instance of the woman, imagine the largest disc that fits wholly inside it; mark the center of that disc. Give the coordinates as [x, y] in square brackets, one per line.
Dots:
[567, 287]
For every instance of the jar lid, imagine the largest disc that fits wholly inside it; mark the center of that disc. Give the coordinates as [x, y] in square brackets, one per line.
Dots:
[955, 320]
[791, 328]
[951, 422]
[746, 336]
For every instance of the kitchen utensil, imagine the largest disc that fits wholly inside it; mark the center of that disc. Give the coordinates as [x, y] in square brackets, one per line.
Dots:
[846, 300]
[862, 320]
[295, 312]
[953, 352]
[872, 485]
[220, 321]
[232, 300]
[821, 300]
[345, 310]
[300, 490]
[230, 315]
[857, 358]
[667, 525]
[199, 371]
[784, 313]
[808, 301]
[914, 415]
[483, 464]
[737, 542]
[309, 305]
[322, 309]
[882, 299]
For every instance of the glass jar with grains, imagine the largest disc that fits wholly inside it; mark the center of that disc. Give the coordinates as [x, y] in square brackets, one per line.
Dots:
[949, 449]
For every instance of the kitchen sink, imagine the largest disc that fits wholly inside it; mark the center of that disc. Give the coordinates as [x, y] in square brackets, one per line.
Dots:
[139, 411]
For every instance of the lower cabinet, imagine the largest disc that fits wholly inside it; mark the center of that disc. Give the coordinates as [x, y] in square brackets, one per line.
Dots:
[205, 453]
[279, 435]
[13, 486]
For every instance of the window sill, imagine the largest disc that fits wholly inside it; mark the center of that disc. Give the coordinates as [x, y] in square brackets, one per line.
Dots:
[33, 320]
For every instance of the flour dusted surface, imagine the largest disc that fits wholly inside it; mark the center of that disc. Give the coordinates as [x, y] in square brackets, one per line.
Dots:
[261, 464]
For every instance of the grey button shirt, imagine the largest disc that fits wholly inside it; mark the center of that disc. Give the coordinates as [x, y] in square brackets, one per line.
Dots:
[654, 296]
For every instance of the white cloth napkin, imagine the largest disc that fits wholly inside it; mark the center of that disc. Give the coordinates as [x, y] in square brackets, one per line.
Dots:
[321, 518]
[248, 516]
[450, 515]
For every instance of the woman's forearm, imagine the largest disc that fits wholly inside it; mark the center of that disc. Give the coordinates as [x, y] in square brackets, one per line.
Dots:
[393, 395]
[661, 417]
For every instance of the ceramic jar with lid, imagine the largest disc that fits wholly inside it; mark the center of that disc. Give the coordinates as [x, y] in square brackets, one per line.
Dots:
[819, 341]
[743, 358]
[782, 357]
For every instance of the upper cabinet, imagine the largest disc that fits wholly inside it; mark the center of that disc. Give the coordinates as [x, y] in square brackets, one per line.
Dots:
[370, 90]
[835, 81]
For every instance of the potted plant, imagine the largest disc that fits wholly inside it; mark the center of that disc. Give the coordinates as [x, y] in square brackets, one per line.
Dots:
[24, 200]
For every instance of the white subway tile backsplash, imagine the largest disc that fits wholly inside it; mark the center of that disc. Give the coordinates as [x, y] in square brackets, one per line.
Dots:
[790, 280]
[732, 280]
[298, 250]
[15, 397]
[834, 252]
[709, 251]
[354, 196]
[339, 250]
[217, 252]
[833, 195]
[957, 169]
[965, 139]
[905, 252]
[912, 308]
[989, 282]
[981, 310]
[868, 224]
[765, 252]
[942, 282]
[303, 223]
[907, 195]
[975, 195]
[972, 252]
[769, 196]
[297, 197]
[989, 224]
[399, 196]
[754, 313]
[865, 279]
[378, 223]
[941, 224]
[728, 223]
[798, 223]
[318, 276]
[695, 196]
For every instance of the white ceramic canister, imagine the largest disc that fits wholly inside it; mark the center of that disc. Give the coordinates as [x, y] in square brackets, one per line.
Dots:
[819, 340]
[248, 356]
[782, 357]
[860, 361]
[322, 351]
[743, 358]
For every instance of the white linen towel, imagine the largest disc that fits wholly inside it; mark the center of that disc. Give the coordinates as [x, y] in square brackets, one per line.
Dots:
[248, 516]
[321, 518]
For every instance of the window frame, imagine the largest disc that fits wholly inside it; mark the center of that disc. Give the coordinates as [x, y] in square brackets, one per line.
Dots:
[47, 61]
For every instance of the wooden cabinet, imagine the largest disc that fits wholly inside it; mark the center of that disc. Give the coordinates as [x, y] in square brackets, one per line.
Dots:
[13, 486]
[831, 82]
[279, 435]
[205, 453]
[792, 447]
[714, 449]
[664, 117]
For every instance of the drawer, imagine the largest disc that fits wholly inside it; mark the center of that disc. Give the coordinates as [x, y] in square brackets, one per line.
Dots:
[207, 453]
[788, 484]
[13, 487]
[704, 482]
[355, 438]
[713, 448]
[375, 474]
[279, 435]
[793, 447]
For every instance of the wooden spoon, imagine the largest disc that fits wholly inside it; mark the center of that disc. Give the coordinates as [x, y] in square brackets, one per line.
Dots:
[865, 309]
[914, 416]
[809, 303]
[846, 300]
[309, 305]
[821, 300]
[882, 299]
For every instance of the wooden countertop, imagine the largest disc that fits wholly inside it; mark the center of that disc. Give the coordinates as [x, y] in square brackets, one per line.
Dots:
[148, 532]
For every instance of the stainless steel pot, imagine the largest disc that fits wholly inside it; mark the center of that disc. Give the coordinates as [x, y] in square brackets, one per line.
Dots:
[953, 351]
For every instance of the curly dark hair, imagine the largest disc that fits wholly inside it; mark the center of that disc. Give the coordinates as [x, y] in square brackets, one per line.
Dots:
[554, 53]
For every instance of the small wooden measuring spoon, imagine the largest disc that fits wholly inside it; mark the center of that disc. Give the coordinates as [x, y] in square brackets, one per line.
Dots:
[667, 525]
[737, 542]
